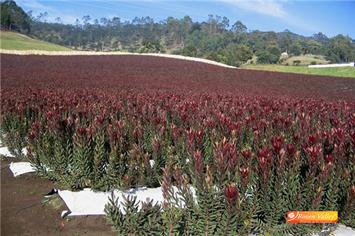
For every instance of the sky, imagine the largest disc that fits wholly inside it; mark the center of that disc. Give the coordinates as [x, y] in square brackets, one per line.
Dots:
[298, 16]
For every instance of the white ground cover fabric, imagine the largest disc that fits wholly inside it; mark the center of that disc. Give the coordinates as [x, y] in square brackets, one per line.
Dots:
[88, 202]
[19, 168]
[342, 230]
[5, 152]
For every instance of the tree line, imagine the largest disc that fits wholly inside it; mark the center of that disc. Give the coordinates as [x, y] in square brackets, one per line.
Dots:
[216, 39]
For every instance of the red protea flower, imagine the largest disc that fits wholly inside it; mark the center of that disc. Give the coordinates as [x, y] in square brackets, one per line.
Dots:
[314, 151]
[277, 143]
[155, 144]
[329, 159]
[291, 149]
[246, 153]
[263, 156]
[199, 136]
[198, 162]
[244, 172]
[81, 131]
[340, 134]
[231, 193]
[312, 139]
[99, 120]
[49, 115]
[191, 138]
[32, 135]
[232, 161]
[334, 122]
[166, 183]
[353, 137]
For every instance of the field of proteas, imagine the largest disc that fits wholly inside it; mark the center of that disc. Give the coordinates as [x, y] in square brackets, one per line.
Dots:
[228, 163]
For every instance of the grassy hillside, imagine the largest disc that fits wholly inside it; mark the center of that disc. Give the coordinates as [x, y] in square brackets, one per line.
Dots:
[339, 71]
[16, 41]
[306, 59]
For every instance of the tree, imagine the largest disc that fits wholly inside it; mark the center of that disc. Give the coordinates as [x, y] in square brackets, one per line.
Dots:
[42, 17]
[269, 56]
[295, 49]
[238, 27]
[239, 54]
[341, 49]
[285, 42]
[13, 17]
[189, 51]
[58, 20]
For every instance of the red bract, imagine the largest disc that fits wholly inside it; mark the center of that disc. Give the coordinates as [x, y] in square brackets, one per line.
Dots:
[81, 131]
[277, 143]
[244, 172]
[263, 157]
[155, 144]
[312, 139]
[291, 149]
[329, 159]
[247, 154]
[198, 162]
[231, 193]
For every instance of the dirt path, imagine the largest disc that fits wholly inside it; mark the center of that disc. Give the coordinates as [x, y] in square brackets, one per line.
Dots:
[24, 212]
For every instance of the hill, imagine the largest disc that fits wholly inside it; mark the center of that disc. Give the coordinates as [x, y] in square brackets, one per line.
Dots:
[16, 41]
[335, 71]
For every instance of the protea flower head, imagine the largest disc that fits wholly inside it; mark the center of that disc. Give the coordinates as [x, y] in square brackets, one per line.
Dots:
[246, 153]
[155, 144]
[244, 172]
[198, 162]
[277, 143]
[231, 193]
[81, 131]
[291, 149]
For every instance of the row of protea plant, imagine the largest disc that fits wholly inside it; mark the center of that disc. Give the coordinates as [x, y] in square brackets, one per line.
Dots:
[226, 164]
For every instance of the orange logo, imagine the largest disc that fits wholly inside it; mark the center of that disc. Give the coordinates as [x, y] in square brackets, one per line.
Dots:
[296, 217]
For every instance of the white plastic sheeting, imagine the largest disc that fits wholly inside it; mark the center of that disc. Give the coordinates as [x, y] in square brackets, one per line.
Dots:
[19, 168]
[88, 202]
[342, 230]
[332, 65]
[5, 152]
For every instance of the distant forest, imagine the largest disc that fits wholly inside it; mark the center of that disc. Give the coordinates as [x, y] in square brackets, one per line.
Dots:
[216, 39]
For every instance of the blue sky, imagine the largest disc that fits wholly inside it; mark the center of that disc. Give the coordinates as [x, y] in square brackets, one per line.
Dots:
[302, 17]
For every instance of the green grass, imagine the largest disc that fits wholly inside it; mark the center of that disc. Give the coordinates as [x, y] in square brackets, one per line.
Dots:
[306, 59]
[338, 71]
[16, 41]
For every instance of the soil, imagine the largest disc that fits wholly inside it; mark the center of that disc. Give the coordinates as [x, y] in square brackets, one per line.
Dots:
[25, 210]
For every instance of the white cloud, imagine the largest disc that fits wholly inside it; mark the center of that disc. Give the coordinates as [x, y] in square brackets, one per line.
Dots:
[265, 7]
[33, 4]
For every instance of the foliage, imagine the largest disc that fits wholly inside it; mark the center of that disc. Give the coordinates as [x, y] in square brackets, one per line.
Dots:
[208, 39]
[227, 162]
[13, 17]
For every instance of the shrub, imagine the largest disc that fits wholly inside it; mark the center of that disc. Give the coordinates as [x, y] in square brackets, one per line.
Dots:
[296, 62]
[247, 169]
